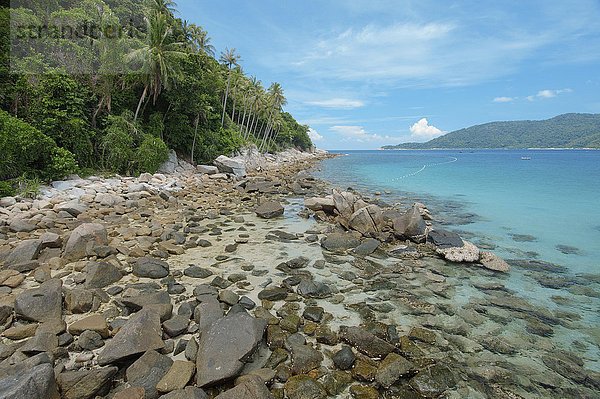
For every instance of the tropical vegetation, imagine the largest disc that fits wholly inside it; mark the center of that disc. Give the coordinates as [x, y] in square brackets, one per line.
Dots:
[127, 84]
[563, 131]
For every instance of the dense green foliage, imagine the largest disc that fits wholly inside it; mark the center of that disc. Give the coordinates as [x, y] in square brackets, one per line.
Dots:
[119, 102]
[563, 131]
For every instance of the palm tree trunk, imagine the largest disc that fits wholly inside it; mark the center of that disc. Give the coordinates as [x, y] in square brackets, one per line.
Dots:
[195, 135]
[225, 102]
[137, 111]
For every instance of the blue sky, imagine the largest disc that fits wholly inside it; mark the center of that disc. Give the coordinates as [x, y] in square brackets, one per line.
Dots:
[364, 74]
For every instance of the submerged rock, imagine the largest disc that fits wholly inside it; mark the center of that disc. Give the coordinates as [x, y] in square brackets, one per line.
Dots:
[493, 262]
[252, 387]
[304, 387]
[366, 342]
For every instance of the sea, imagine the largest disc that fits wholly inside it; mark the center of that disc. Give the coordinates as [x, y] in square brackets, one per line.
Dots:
[537, 209]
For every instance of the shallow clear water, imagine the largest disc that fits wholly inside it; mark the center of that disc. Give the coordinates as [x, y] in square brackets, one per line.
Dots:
[544, 208]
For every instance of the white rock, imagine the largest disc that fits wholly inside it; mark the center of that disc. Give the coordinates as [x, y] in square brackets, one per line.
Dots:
[467, 253]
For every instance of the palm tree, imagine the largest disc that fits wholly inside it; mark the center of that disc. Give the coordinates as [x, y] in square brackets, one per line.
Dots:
[229, 58]
[157, 57]
[276, 101]
[167, 7]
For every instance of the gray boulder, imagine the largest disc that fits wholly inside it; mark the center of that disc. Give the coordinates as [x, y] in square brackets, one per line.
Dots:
[231, 166]
[21, 226]
[22, 382]
[367, 221]
[170, 164]
[86, 384]
[444, 239]
[313, 289]
[207, 169]
[269, 210]
[83, 240]
[41, 304]
[25, 251]
[141, 333]
[147, 371]
[187, 393]
[252, 387]
[344, 203]
[226, 346]
[411, 225]
[320, 204]
[366, 342]
[101, 274]
[151, 268]
[339, 242]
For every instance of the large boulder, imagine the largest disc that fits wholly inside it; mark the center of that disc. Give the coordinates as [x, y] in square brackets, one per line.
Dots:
[344, 203]
[367, 221]
[25, 381]
[231, 166]
[84, 239]
[467, 253]
[444, 239]
[339, 242]
[101, 274]
[252, 387]
[147, 371]
[86, 384]
[325, 204]
[269, 210]
[207, 169]
[141, 333]
[411, 225]
[41, 304]
[226, 346]
[25, 251]
[366, 342]
[170, 164]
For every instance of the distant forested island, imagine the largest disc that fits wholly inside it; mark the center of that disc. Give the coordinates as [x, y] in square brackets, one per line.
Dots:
[563, 131]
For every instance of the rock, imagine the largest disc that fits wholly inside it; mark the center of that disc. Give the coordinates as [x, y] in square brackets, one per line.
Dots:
[493, 262]
[344, 359]
[41, 304]
[90, 340]
[151, 268]
[367, 247]
[131, 393]
[186, 393]
[467, 253]
[78, 300]
[25, 251]
[177, 377]
[207, 169]
[444, 239]
[170, 164]
[252, 387]
[141, 333]
[231, 166]
[366, 342]
[313, 289]
[5, 202]
[206, 314]
[363, 392]
[197, 272]
[11, 278]
[226, 346]
[367, 221]
[273, 294]
[73, 208]
[304, 387]
[320, 204]
[344, 203]
[21, 382]
[94, 322]
[83, 240]
[269, 210]
[86, 384]
[41, 342]
[433, 381]
[336, 242]
[147, 371]
[175, 326]
[228, 297]
[21, 226]
[391, 369]
[411, 226]
[101, 274]
[422, 334]
[313, 313]
[298, 263]
[159, 300]
[305, 359]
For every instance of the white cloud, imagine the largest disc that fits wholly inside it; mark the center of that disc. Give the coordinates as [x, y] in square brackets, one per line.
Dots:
[504, 99]
[314, 135]
[338, 103]
[423, 130]
[360, 135]
[547, 93]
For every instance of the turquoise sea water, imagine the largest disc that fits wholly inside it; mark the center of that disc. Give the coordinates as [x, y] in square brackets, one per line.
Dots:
[545, 208]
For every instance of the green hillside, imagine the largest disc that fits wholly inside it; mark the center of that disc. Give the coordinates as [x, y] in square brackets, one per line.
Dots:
[563, 131]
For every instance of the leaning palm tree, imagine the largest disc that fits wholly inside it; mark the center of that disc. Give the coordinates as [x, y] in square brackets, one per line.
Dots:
[277, 101]
[229, 58]
[158, 58]
[167, 7]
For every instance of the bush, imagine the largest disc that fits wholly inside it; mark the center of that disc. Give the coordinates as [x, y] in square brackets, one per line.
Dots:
[117, 144]
[6, 189]
[62, 164]
[152, 153]
[25, 149]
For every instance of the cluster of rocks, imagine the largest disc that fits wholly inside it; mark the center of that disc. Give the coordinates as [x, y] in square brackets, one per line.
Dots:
[383, 223]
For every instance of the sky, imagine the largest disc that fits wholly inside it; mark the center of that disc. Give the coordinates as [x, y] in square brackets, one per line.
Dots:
[363, 74]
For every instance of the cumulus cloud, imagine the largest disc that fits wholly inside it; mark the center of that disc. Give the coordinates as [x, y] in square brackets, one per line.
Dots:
[358, 134]
[314, 135]
[423, 130]
[338, 103]
[504, 99]
[547, 93]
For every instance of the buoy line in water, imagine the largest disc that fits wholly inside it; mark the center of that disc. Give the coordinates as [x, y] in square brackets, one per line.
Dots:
[425, 167]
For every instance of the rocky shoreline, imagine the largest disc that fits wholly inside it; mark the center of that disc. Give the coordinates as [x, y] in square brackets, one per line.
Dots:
[251, 279]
